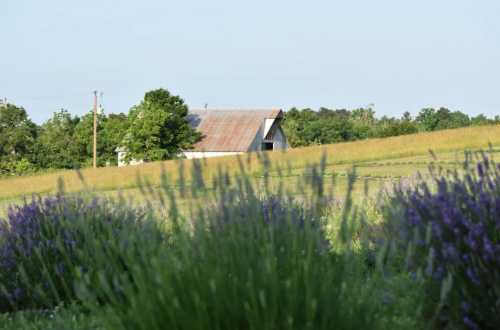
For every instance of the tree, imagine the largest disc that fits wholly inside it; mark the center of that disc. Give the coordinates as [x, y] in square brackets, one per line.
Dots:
[83, 139]
[427, 119]
[406, 117]
[295, 125]
[363, 122]
[336, 125]
[448, 119]
[113, 131]
[55, 147]
[159, 128]
[430, 119]
[407, 125]
[481, 120]
[306, 127]
[17, 133]
[386, 126]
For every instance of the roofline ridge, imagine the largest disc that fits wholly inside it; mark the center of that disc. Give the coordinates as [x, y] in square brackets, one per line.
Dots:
[237, 109]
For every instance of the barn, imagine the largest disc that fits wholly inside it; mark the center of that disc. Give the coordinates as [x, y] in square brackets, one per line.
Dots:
[230, 132]
[235, 131]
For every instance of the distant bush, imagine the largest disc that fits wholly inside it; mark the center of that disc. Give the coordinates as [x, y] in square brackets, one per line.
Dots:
[452, 235]
[48, 243]
[16, 167]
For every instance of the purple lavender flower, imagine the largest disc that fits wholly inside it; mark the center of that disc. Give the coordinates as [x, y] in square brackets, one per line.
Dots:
[472, 276]
[470, 324]
[463, 213]
[466, 306]
[43, 234]
[480, 169]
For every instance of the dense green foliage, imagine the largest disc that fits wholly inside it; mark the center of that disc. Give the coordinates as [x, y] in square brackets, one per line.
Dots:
[111, 131]
[159, 128]
[17, 140]
[155, 129]
[55, 143]
[307, 127]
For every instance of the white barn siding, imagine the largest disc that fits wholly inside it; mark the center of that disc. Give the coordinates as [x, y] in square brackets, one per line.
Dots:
[257, 141]
[279, 140]
[208, 154]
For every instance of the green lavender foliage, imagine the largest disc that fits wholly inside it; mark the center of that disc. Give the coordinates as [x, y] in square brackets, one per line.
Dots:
[254, 257]
[47, 244]
[450, 229]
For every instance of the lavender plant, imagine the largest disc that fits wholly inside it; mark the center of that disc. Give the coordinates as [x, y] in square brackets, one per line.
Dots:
[451, 231]
[252, 259]
[46, 244]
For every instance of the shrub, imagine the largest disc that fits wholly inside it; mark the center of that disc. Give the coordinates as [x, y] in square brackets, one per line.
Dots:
[47, 243]
[16, 167]
[452, 235]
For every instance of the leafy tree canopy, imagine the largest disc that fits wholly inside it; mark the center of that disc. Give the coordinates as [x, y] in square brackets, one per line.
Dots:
[159, 128]
[55, 147]
[114, 129]
[17, 133]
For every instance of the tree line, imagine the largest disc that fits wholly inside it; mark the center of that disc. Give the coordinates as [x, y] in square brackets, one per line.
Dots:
[305, 127]
[157, 129]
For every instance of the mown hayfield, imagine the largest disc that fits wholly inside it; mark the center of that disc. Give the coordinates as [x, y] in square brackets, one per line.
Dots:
[376, 161]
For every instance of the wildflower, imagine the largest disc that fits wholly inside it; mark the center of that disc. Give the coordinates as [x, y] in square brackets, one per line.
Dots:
[472, 276]
[470, 324]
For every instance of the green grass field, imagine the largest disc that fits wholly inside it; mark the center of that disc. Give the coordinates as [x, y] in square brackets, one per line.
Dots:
[376, 161]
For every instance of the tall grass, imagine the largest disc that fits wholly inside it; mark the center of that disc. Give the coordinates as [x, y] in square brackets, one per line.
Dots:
[343, 153]
[253, 254]
[254, 259]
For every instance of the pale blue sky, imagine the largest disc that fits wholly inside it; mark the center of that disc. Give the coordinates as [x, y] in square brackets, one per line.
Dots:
[399, 55]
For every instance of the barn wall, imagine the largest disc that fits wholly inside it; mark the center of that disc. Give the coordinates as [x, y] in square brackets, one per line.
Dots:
[279, 140]
[208, 154]
[257, 141]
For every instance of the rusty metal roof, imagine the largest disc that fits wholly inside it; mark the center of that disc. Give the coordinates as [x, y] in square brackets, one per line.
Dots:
[229, 129]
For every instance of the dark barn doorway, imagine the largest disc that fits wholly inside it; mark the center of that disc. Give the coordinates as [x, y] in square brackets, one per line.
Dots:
[267, 146]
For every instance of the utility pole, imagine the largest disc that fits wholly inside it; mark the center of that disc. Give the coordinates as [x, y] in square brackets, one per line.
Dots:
[95, 129]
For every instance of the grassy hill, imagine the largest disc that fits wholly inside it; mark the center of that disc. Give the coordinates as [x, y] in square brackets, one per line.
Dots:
[376, 161]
